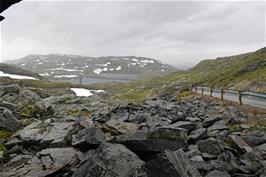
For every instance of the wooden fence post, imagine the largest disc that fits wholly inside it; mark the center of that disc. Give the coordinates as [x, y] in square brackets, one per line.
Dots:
[222, 94]
[210, 92]
[202, 90]
[240, 97]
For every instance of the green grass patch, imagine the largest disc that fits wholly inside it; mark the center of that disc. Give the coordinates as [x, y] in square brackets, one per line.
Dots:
[5, 134]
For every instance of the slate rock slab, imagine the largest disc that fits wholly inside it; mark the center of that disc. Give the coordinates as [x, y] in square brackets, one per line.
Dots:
[210, 121]
[220, 125]
[112, 160]
[7, 120]
[211, 146]
[197, 135]
[189, 126]
[240, 144]
[171, 164]
[88, 138]
[46, 163]
[116, 127]
[44, 134]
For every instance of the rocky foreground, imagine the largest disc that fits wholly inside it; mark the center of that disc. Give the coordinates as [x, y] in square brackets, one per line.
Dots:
[63, 135]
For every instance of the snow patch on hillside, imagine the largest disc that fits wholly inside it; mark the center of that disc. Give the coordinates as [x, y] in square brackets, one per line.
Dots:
[66, 76]
[85, 92]
[97, 71]
[14, 76]
[45, 74]
[65, 69]
[118, 68]
[147, 61]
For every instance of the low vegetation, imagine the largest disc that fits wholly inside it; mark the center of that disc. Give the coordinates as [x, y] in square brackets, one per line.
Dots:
[244, 72]
[11, 69]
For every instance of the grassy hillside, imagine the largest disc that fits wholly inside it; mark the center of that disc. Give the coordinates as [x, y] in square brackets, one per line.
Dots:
[244, 72]
[11, 69]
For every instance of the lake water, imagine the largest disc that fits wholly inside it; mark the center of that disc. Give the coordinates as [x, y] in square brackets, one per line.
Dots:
[106, 78]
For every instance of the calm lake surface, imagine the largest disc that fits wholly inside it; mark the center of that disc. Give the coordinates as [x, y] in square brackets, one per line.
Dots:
[122, 78]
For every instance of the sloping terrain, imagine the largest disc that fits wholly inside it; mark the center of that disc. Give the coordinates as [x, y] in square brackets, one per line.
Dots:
[70, 67]
[46, 129]
[13, 70]
[244, 72]
[43, 133]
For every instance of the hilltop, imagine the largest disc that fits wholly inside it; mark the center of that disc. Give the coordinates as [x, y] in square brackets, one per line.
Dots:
[58, 67]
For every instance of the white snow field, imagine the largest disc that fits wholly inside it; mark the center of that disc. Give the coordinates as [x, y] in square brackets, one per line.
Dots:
[14, 76]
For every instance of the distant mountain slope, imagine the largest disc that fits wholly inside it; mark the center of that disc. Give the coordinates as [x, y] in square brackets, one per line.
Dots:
[58, 67]
[13, 70]
[244, 72]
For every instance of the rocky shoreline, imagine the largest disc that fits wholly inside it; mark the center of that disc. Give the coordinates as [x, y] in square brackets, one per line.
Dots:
[64, 135]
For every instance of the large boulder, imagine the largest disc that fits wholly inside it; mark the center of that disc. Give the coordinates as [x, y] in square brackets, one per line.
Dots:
[116, 127]
[239, 144]
[218, 126]
[28, 103]
[157, 140]
[254, 138]
[198, 134]
[112, 160]
[44, 134]
[171, 164]
[47, 162]
[7, 120]
[53, 100]
[155, 121]
[257, 157]
[210, 146]
[189, 126]
[88, 138]
[169, 133]
[11, 89]
[210, 121]
[10, 106]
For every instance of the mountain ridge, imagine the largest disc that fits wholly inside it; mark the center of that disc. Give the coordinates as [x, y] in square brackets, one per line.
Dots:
[66, 67]
[246, 72]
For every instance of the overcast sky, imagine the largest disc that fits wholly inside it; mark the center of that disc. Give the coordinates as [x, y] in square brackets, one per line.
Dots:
[179, 33]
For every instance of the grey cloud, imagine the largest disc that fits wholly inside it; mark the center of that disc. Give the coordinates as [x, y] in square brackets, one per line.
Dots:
[179, 33]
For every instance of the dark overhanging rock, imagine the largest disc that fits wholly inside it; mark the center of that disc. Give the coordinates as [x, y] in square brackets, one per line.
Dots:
[171, 164]
[5, 4]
